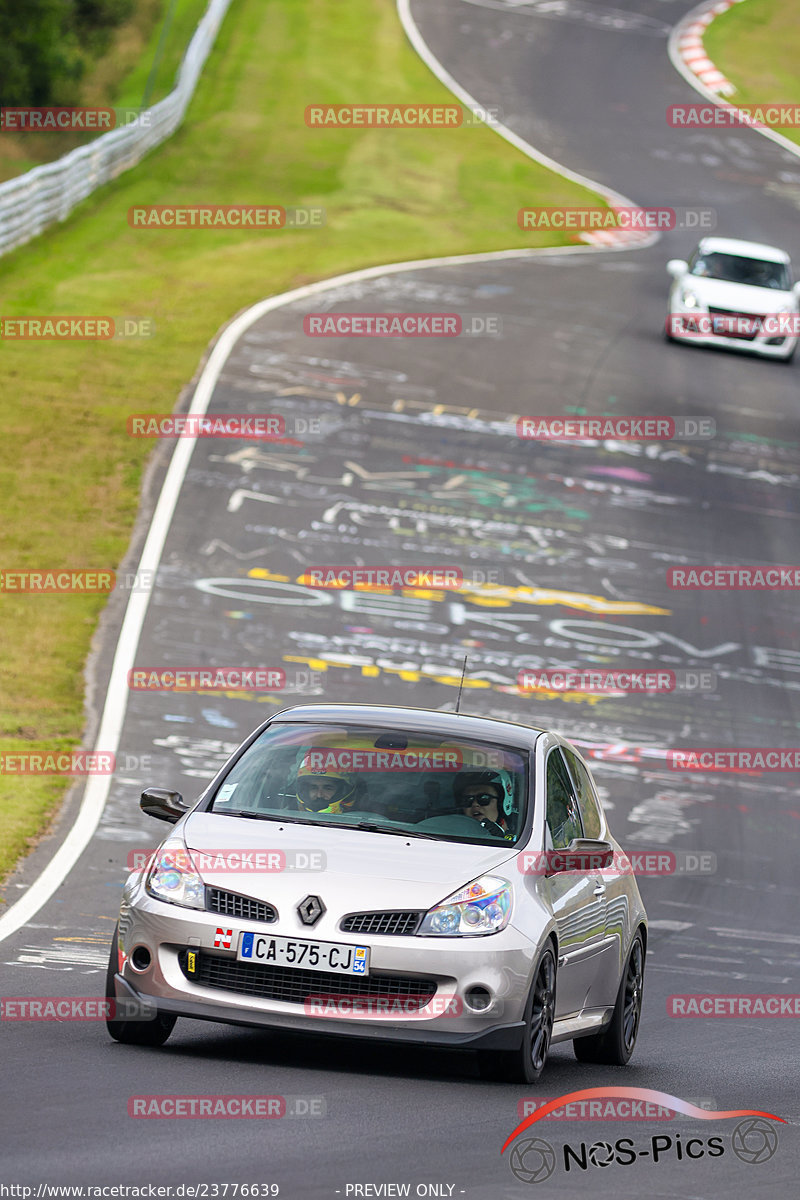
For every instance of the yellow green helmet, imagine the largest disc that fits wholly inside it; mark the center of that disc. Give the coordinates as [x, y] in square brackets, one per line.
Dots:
[339, 797]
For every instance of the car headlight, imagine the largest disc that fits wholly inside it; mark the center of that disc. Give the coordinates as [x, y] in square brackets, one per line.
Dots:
[481, 907]
[689, 299]
[172, 877]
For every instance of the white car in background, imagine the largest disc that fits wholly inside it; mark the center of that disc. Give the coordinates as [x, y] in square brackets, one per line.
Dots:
[735, 294]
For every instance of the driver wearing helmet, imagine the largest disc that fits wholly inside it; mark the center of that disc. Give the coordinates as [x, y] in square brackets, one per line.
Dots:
[324, 789]
[486, 796]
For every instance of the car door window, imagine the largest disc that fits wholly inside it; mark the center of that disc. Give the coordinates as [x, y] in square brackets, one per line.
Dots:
[587, 799]
[562, 813]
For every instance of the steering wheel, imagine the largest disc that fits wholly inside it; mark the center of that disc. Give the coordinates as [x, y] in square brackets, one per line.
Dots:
[492, 827]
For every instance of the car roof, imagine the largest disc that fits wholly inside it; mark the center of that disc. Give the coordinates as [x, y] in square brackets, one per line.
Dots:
[415, 720]
[746, 249]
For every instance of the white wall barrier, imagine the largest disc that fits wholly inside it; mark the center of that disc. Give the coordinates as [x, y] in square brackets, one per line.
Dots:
[49, 193]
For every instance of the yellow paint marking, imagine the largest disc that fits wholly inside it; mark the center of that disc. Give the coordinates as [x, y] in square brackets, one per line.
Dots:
[263, 573]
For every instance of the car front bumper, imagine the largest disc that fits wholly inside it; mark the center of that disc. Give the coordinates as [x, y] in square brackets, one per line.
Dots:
[451, 969]
[679, 329]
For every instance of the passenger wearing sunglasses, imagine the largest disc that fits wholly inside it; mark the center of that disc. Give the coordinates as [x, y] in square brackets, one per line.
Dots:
[481, 802]
[480, 795]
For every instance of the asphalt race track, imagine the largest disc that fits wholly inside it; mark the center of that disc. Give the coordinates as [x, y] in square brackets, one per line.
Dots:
[413, 457]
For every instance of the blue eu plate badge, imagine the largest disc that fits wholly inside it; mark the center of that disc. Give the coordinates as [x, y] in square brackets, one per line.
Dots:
[360, 960]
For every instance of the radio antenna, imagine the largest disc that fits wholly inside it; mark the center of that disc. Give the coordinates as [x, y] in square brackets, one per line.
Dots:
[461, 685]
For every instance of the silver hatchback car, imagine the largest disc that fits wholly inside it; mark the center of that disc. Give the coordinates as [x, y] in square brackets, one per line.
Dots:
[389, 873]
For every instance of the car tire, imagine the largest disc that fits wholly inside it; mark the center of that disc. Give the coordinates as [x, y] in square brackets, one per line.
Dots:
[150, 1032]
[615, 1045]
[526, 1064]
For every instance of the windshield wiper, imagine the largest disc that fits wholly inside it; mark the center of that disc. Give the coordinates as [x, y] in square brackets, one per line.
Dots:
[371, 827]
[290, 818]
[244, 812]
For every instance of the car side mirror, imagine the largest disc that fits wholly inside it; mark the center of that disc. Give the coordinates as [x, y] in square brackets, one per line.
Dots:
[164, 805]
[581, 855]
[796, 289]
[677, 267]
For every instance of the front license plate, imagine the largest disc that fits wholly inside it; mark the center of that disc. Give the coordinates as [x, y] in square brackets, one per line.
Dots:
[312, 956]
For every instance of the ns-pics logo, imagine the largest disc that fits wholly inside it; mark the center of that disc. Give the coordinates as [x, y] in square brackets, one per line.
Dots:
[533, 1160]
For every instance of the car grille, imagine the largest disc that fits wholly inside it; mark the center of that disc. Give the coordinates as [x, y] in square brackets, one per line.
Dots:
[229, 904]
[382, 922]
[296, 986]
[743, 336]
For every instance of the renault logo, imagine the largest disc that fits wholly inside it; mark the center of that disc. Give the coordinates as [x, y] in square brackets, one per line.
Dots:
[310, 910]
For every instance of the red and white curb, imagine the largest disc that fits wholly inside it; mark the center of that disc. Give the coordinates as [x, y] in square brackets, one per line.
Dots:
[619, 239]
[692, 51]
[705, 13]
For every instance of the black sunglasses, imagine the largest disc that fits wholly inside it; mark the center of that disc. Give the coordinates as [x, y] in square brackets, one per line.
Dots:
[484, 799]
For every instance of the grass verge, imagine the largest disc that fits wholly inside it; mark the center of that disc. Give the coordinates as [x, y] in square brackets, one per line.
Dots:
[756, 46]
[73, 475]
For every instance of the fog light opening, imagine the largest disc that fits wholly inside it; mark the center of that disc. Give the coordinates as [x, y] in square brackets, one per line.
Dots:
[478, 998]
[140, 958]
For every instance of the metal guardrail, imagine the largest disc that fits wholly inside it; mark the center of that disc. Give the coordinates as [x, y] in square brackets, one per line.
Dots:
[31, 202]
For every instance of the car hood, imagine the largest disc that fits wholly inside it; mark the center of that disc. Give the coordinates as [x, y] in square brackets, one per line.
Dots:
[375, 870]
[739, 297]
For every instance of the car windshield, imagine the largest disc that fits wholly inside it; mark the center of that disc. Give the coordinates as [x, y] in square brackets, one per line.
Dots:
[736, 268]
[389, 780]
